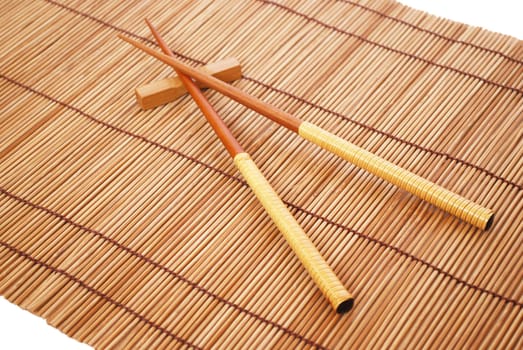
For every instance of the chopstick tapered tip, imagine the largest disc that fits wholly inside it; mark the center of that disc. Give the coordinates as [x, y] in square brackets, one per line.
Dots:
[158, 37]
[121, 36]
[133, 42]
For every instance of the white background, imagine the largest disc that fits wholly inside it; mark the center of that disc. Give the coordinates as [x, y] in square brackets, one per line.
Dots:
[21, 330]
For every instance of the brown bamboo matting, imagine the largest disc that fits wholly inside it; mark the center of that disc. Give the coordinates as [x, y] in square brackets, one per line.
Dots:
[133, 229]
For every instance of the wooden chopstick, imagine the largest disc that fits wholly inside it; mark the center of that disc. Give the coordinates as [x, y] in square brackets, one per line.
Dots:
[451, 202]
[327, 281]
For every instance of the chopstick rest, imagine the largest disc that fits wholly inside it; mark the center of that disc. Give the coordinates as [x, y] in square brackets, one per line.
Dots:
[159, 92]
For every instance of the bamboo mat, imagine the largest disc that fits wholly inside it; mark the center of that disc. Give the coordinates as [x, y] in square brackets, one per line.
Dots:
[132, 229]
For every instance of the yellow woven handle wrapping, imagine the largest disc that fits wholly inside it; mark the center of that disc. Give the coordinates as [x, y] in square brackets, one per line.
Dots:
[300, 243]
[449, 201]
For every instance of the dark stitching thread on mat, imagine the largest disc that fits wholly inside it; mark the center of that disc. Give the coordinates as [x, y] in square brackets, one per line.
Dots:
[425, 30]
[96, 292]
[210, 167]
[391, 49]
[324, 109]
[159, 266]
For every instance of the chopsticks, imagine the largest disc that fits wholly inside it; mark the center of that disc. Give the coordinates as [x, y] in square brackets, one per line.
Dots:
[451, 202]
[327, 281]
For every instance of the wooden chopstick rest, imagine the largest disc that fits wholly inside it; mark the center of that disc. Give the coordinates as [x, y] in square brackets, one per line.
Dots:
[166, 90]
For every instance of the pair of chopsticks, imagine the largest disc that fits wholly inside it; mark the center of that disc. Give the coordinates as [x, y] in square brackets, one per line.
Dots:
[340, 299]
[319, 270]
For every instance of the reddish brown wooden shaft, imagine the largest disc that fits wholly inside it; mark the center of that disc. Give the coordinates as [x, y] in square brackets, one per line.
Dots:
[283, 118]
[223, 132]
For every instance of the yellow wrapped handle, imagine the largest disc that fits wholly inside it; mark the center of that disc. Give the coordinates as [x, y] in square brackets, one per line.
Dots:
[449, 201]
[340, 299]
